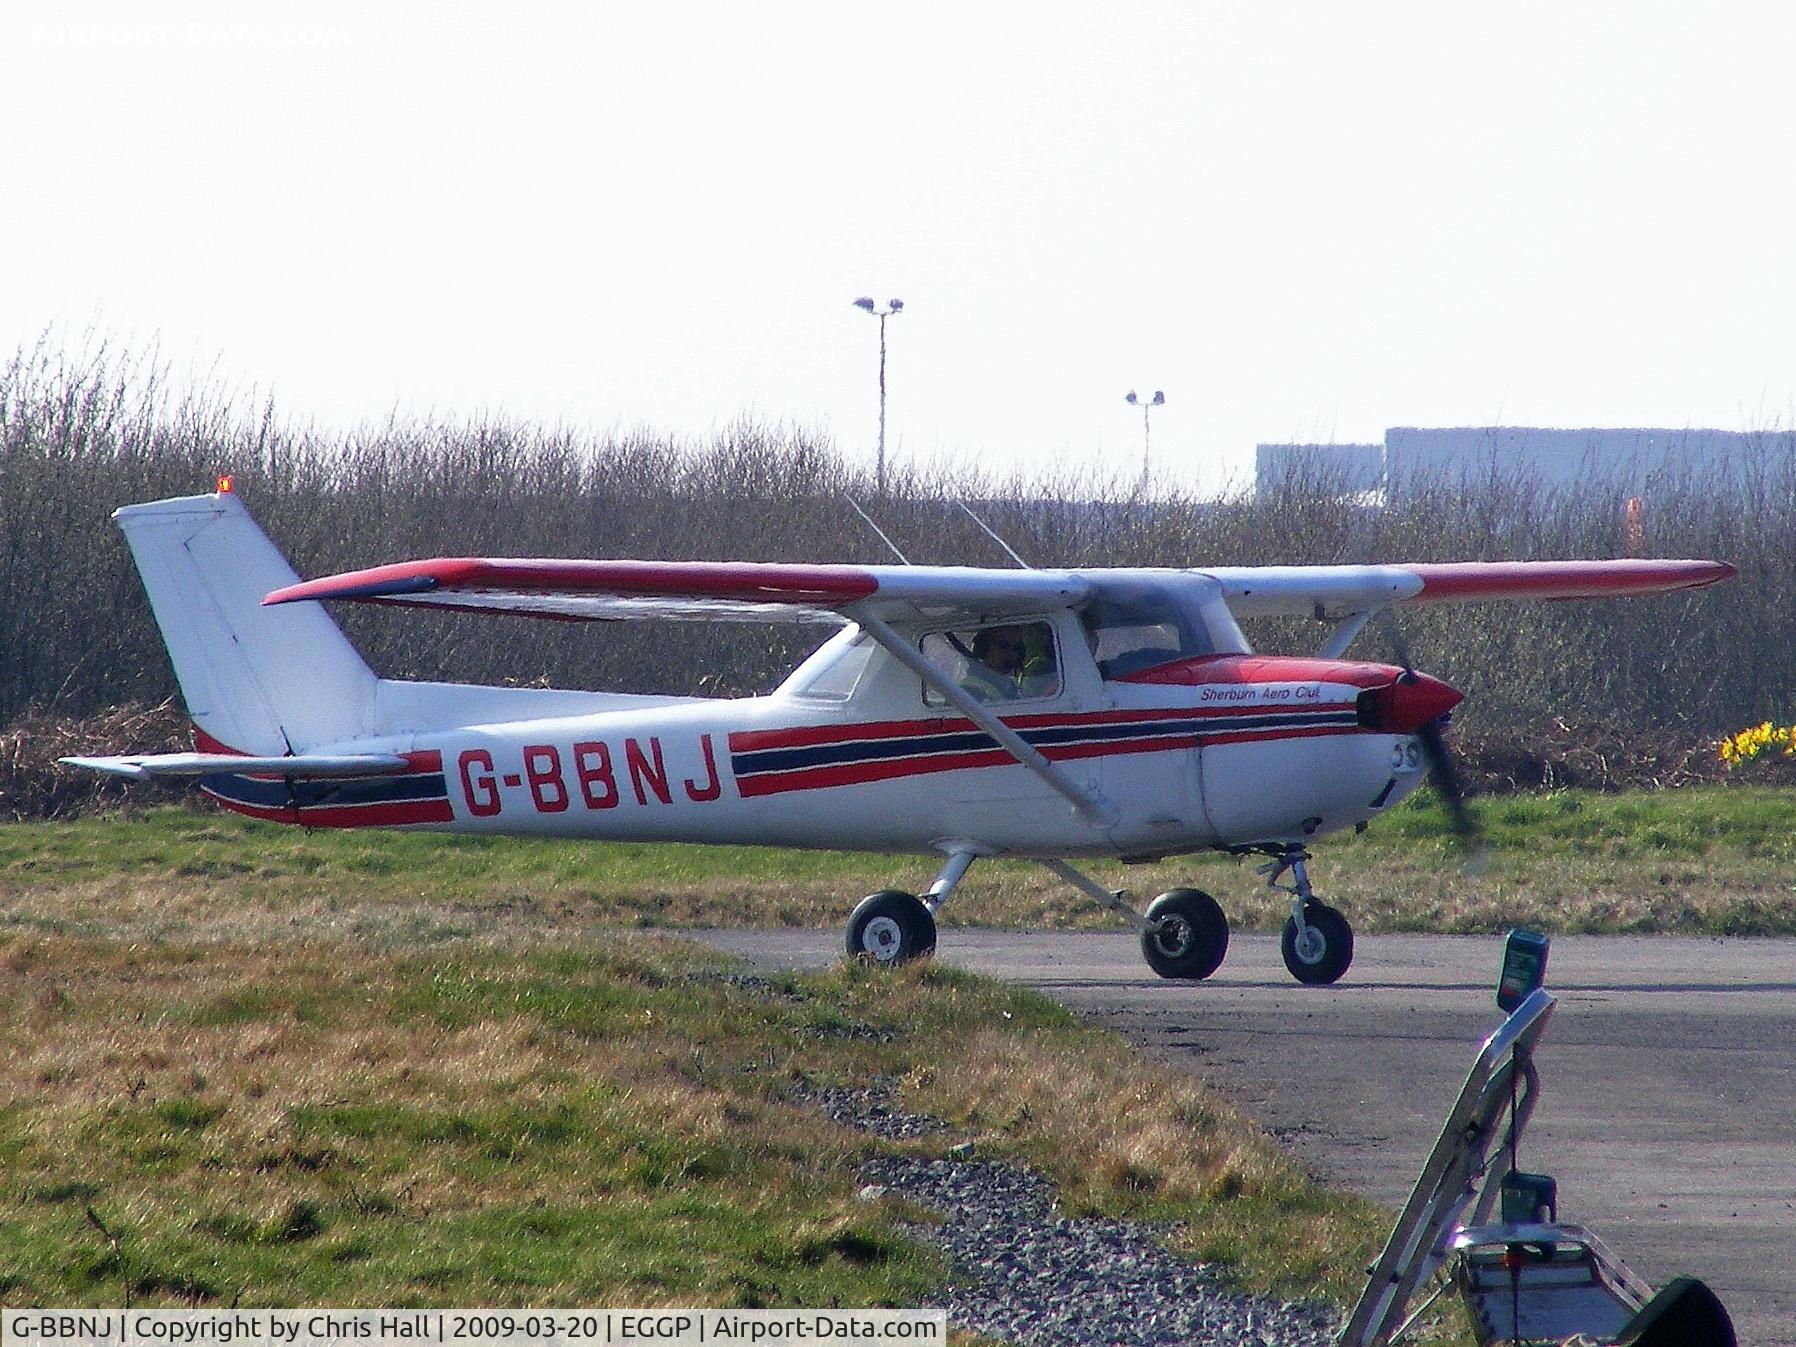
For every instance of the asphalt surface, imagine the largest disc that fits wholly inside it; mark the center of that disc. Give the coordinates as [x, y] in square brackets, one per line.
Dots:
[1668, 1111]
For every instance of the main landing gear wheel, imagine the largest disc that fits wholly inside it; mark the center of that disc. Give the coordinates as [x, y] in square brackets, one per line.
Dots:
[1186, 935]
[890, 928]
[1321, 952]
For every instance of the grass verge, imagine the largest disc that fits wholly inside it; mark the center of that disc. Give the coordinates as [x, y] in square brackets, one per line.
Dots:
[513, 1120]
[254, 1065]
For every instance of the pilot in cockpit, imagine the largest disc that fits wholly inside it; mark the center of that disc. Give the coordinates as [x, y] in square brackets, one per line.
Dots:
[1012, 662]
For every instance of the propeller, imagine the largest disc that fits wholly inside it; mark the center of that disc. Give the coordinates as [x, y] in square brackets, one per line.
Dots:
[1443, 771]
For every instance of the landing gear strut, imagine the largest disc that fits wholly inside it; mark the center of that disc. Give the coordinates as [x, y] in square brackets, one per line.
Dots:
[1317, 941]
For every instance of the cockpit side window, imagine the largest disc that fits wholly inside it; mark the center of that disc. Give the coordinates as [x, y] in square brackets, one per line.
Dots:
[1009, 661]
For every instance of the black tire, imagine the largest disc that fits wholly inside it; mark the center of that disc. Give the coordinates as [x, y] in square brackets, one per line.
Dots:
[890, 928]
[1331, 951]
[1186, 935]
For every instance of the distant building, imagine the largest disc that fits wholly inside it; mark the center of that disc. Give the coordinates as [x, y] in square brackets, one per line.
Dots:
[1621, 460]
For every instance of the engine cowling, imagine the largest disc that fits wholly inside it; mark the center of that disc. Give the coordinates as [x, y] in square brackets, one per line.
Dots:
[1407, 703]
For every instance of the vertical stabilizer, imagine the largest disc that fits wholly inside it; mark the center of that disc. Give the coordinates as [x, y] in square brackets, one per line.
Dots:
[263, 681]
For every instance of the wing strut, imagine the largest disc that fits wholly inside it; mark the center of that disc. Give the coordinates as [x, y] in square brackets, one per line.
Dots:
[1342, 636]
[1089, 805]
[1110, 898]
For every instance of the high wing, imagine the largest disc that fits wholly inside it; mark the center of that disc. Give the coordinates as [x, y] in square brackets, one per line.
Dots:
[740, 591]
[749, 591]
[1342, 591]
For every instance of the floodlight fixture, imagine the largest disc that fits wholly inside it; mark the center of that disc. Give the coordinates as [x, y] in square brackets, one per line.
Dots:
[892, 306]
[1147, 405]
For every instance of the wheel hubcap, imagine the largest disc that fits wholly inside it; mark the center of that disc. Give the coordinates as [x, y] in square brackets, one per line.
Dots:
[881, 938]
[1174, 936]
[1310, 945]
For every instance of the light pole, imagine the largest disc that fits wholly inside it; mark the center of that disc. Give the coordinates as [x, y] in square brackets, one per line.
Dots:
[1147, 405]
[892, 307]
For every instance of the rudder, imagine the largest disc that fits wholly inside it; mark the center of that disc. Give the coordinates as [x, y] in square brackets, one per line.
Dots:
[257, 680]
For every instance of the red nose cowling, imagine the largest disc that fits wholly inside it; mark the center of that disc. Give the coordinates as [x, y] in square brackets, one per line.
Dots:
[1407, 703]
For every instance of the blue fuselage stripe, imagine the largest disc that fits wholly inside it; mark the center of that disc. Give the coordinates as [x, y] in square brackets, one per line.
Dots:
[281, 793]
[1058, 736]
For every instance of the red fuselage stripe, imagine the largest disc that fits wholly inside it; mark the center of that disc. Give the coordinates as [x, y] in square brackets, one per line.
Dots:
[849, 774]
[808, 736]
[345, 816]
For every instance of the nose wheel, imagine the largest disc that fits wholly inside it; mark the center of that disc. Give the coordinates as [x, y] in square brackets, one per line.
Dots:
[1318, 942]
[1320, 950]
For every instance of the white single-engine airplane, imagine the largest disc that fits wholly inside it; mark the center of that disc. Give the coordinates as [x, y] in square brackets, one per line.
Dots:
[1049, 714]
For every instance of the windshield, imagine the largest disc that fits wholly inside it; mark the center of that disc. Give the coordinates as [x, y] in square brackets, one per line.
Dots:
[1135, 624]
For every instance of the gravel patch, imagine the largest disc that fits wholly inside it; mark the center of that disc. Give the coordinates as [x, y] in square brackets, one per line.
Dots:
[1031, 1275]
[870, 1109]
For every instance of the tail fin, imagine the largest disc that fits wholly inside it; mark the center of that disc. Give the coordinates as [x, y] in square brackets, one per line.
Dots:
[263, 681]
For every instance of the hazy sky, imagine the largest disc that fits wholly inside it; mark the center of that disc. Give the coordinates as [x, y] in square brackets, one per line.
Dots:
[1303, 221]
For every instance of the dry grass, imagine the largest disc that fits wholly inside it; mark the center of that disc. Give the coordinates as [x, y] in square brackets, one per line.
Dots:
[536, 1114]
[34, 786]
[294, 1124]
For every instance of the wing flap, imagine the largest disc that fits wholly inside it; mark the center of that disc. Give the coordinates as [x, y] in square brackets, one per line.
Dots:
[599, 589]
[1313, 591]
[706, 590]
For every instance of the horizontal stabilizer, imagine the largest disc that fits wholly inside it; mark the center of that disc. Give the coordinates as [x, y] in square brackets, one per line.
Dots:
[141, 766]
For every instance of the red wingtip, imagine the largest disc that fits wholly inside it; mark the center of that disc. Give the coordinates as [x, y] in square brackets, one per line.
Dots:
[1471, 580]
